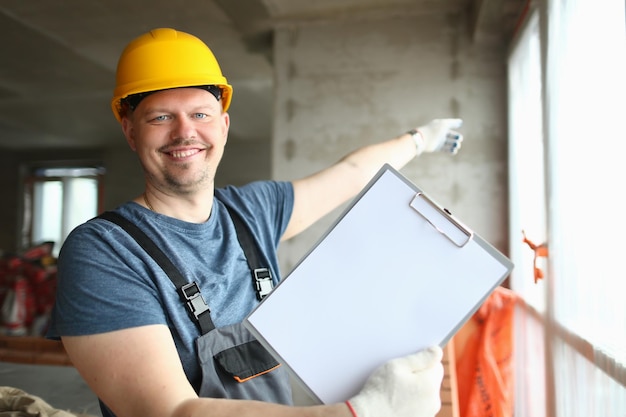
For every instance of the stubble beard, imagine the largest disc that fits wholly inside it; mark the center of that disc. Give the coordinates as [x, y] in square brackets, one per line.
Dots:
[183, 184]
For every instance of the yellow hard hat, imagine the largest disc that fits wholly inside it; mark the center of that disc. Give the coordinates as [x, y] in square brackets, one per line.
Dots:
[165, 58]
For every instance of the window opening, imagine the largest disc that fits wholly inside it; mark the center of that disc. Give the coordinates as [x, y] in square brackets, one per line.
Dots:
[56, 200]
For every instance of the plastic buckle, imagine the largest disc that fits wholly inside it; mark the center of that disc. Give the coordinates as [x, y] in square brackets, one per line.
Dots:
[263, 282]
[195, 301]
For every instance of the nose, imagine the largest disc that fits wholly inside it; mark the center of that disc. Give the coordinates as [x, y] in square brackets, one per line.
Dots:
[183, 128]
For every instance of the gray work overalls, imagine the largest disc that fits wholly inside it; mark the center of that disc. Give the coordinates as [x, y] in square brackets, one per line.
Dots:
[234, 364]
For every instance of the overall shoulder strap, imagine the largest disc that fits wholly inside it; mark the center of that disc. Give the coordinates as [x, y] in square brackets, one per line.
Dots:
[188, 291]
[261, 275]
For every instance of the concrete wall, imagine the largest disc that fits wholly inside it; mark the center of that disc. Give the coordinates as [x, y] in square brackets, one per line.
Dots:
[340, 85]
[9, 172]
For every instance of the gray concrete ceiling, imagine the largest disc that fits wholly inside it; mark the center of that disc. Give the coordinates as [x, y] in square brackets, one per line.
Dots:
[58, 57]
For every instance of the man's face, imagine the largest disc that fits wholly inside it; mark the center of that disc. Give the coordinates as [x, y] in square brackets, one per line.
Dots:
[179, 136]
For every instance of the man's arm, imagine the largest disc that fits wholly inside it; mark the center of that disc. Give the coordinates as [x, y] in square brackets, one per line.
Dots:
[137, 372]
[320, 193]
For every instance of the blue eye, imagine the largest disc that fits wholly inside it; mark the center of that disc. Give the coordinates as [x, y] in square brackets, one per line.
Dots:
[200, 116]
[160, 118]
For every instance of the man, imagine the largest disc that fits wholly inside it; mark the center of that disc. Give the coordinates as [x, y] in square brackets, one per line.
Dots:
[118, 312]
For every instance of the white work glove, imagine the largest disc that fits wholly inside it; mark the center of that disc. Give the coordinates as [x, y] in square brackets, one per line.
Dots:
[438, 136]
[403, 387]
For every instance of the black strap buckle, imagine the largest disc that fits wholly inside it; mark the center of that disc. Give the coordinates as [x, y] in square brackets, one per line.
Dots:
[195, 301]
[262, 282]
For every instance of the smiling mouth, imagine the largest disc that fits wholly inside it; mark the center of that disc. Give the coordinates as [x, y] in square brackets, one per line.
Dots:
[184, 154]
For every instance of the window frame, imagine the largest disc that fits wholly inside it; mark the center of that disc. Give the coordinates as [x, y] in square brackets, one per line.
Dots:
[543, 344]
[32, 175]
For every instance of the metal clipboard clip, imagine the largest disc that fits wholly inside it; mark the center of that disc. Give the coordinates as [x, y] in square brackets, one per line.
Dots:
[441, 219]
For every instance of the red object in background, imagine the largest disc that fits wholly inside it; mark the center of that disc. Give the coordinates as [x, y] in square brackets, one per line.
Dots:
[27, 290]
[38, 252]
[484, 360]
[18, 307]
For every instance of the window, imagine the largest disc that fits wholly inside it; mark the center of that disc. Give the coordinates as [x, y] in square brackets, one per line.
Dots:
[566, 89]
[57, 200]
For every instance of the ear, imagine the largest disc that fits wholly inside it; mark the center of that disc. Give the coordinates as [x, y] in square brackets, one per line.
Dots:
[226, 126]
[127, 128]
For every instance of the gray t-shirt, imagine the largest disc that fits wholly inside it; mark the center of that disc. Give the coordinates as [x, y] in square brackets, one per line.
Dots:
[107, 282]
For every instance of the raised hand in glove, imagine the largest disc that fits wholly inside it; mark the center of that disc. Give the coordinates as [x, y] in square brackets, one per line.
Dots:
[438, 136]
[403, 387]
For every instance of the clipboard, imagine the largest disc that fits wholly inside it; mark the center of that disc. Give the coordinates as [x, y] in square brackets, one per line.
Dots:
[396, 273]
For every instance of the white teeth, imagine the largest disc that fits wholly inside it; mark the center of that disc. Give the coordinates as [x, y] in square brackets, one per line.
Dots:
[183, 154]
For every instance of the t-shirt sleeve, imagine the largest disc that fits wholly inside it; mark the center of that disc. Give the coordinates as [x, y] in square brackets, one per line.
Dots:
[103, 284]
